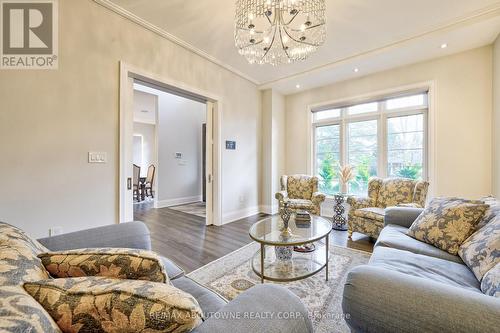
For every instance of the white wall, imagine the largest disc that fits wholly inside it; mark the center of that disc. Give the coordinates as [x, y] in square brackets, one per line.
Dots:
[51, 119]
[148, 134]
[273, 148]
[179, 131]
[463, 117]
[496, 118]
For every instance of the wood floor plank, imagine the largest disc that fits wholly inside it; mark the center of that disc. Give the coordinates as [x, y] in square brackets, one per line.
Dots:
[186, 240]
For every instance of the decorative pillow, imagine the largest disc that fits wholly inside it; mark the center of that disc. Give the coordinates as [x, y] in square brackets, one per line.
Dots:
[492, 211]
[110, 262]
[20, 313]
[447, 222]
[97, 304]
[481, 251]
[491, 282]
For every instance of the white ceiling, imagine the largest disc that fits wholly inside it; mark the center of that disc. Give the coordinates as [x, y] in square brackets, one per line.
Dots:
[372, 35]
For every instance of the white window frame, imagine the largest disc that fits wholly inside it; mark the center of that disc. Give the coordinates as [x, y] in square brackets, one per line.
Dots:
[382, 116]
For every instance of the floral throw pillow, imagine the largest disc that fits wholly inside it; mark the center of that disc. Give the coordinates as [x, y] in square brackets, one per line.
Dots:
[110, 262]
[491, 282]
[447, 222]
[97, 304]
[481, 251]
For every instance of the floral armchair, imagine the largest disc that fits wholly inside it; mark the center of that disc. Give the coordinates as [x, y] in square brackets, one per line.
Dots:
[301, 193]
[366, 215]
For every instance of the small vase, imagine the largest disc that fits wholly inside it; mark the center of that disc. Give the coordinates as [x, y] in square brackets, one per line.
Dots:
[283, 253]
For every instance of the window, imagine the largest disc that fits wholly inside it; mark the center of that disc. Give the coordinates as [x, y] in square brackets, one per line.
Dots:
[385, 138]
[328, 158]
[362, 147]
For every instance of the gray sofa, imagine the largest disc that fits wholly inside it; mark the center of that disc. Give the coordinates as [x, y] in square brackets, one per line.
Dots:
[410, 286]
[258, 301]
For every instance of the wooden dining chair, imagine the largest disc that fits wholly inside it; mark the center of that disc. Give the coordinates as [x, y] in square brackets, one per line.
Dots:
[136, 181]
[150, 180]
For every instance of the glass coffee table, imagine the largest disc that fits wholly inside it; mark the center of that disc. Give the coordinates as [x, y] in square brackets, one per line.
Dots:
[276, 260]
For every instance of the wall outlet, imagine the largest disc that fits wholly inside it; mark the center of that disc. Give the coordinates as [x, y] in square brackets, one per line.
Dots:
[54, 231]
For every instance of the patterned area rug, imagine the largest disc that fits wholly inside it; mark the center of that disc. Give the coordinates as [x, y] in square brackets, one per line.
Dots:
[196, 208]
[232, 274]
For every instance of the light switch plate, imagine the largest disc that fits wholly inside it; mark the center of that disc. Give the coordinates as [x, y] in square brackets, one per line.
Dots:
[96, 157]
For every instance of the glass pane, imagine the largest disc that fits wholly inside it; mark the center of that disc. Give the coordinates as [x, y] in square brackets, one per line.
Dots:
[327, 158]
[327, 114]
[362, 108]
[405, 146]
[362, 147]
[406, 102]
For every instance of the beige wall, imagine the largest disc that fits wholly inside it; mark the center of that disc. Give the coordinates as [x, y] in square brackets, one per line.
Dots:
[463, 116]
[496, 118]
[50, 120]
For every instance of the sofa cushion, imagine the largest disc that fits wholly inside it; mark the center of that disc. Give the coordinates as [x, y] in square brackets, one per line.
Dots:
[210, 302]
[110, 262]
[481, 251]
[394, 191]
[98, 304]
[394, 236]
[447, 222]
[372, 213]
[439, 270]
[491, 282]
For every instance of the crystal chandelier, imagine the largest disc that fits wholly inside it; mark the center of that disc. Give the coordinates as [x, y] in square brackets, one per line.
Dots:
[279, 31]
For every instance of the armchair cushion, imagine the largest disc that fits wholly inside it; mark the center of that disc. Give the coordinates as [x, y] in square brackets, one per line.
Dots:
[372, 213]
[301, 187]
[97, 304]
[110, 262]
[395, 191]
[447, 222]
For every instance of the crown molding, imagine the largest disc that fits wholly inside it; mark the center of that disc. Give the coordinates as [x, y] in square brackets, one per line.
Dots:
[471, 18]
[109, 4]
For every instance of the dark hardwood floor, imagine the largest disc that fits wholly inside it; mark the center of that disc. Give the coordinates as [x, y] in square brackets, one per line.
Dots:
[186, 240]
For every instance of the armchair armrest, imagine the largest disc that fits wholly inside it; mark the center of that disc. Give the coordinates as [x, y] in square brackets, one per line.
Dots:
[403, 216]
[382, 300]
[318, 198]
[281, 195]
[134, 235]
[263, 308]
[359, 202]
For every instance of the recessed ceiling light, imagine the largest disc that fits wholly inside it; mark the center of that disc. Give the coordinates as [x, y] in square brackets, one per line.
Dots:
[356, 70]
[297, 86]
[444, 45]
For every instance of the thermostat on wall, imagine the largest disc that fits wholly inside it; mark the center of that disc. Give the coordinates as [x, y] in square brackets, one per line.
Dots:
[231, 145]
[178, 156]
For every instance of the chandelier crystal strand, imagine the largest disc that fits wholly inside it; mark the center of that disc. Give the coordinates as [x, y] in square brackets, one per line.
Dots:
[279, 31]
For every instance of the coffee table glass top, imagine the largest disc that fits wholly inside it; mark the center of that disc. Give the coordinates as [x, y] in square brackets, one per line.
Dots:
[269, 231]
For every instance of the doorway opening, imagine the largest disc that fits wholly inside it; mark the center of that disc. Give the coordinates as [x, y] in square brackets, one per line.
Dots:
[169, 156]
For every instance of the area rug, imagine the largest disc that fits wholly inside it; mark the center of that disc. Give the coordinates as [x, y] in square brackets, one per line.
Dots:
[232, 274]
[196, 208]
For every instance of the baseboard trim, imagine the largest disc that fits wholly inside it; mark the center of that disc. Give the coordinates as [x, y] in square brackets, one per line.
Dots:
[269, 209]
[236, 215]
[177, 201]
